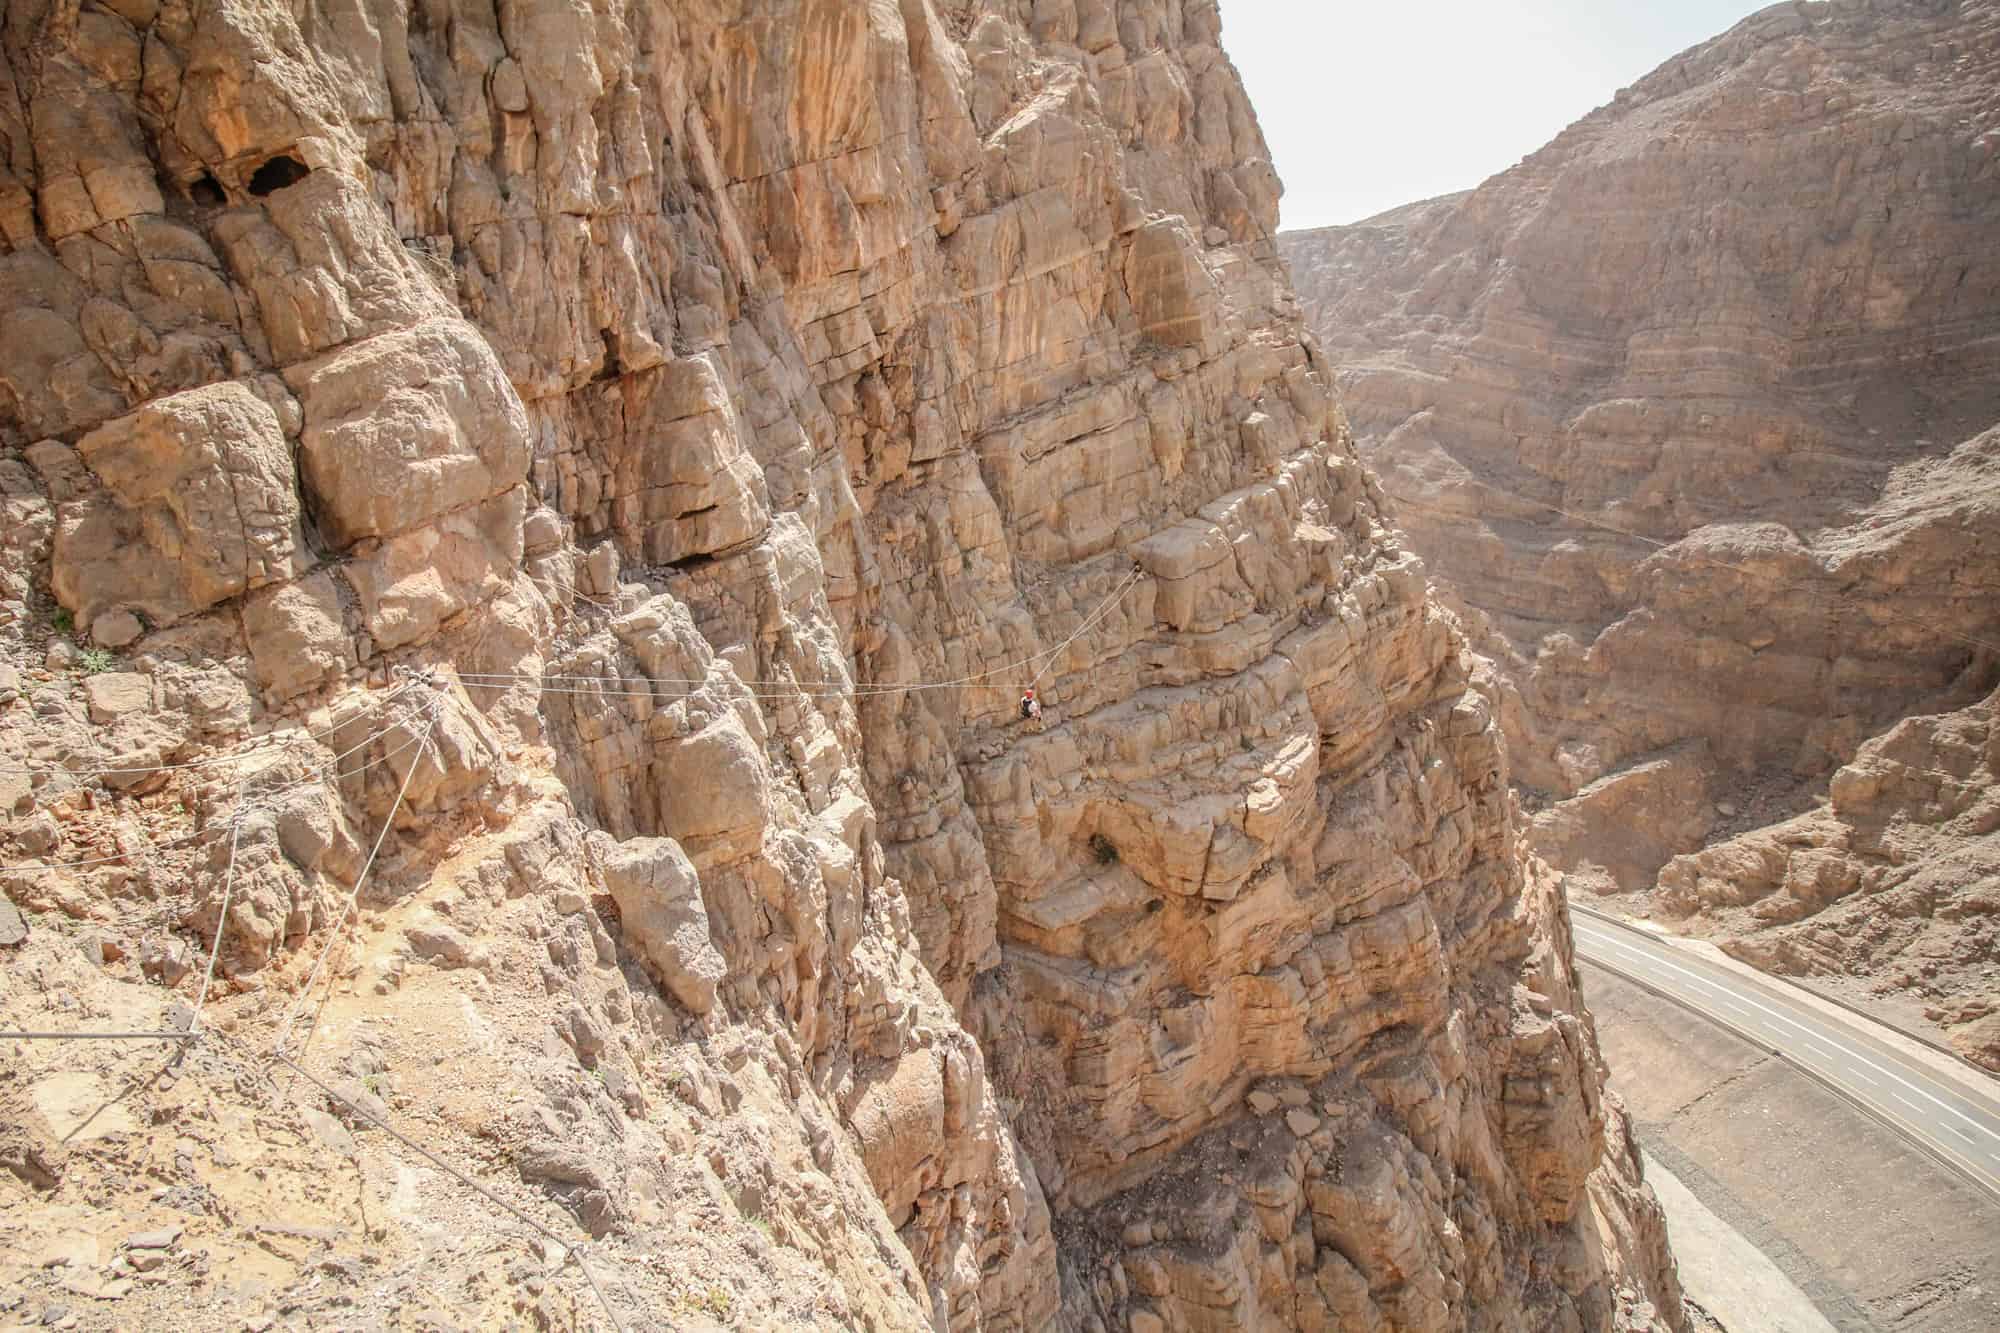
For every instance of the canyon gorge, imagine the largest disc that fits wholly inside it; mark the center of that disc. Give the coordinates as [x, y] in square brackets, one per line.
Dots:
[525, 527]
[1695, 415]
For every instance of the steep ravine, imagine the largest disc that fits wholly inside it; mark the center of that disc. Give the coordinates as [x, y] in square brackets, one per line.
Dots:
[1693, 414]
[587, 486]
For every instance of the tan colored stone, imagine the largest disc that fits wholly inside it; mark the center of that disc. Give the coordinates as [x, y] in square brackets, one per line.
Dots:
[660, 906]
[1888, 880]
[860, 365]
[198, 504]
[1172, 293]
[410, 585]
[322, 265]
[1658, 807]
[95, 168]
[898, 1117]
[297, 634]
[1660, 529]
[681, 483]
[116, 694]
[726, 809]
[116, 629]
[403, 428]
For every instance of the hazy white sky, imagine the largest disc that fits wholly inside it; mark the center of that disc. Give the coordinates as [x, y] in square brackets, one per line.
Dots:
[1371, 105]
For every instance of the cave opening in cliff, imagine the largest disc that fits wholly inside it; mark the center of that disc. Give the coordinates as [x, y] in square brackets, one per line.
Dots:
[688, 564]
[614, 364]
[276, 173]
[1458, 648]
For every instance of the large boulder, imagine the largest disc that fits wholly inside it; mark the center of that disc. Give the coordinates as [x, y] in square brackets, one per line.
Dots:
[404, 427]
[681, 482]
[665, 921]
[410, 585]
[718, 799]
[1172, 293]
[197, 502]
[297, 634]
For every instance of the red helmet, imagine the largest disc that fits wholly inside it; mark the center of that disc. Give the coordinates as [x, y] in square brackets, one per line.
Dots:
[1028, 693]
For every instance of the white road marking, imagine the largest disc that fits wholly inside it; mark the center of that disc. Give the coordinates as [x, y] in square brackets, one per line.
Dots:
[1925, 1120]
[1775, 1016]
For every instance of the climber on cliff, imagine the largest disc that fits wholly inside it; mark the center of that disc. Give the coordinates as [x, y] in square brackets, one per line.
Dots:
[1031, 707]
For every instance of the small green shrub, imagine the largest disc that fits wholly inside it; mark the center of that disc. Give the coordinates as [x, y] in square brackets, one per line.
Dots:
[95, 660]
[63, 621]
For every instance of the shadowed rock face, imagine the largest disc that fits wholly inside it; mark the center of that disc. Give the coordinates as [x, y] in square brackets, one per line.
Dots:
[735, 405]
[1686, 410]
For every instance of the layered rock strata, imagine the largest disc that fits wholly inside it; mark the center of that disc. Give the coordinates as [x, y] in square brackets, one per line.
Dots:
[1690, 410]
[1897, 877]
[586, 487]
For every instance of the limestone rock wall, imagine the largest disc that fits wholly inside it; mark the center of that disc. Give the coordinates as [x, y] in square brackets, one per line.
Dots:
[1690, 411]
[1894, 878]
[586, 486]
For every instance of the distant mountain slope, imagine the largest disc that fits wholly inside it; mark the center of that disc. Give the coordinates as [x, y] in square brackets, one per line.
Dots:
[1683, 410]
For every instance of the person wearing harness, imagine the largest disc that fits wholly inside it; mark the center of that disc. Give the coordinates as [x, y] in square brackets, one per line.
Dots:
[1031, 707]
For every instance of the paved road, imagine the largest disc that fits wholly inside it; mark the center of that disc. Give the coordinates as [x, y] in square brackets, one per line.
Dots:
[1939, 1113]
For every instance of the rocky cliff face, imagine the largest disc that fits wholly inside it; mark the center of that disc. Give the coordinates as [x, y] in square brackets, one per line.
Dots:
[1897, 877]
[584, 488]
[1690, 410]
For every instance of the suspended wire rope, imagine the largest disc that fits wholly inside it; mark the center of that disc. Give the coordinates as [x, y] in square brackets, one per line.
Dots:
[572, 1250]
[558, 683]
[222, 914]
[256, 748]
[354, 896]
[265, 801]
[97, 1036]
[193, 1029]
[609, 686]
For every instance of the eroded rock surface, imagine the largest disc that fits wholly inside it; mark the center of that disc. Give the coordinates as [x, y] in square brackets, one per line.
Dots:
[1896, 878]
[1692, 413]
[707, 419]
